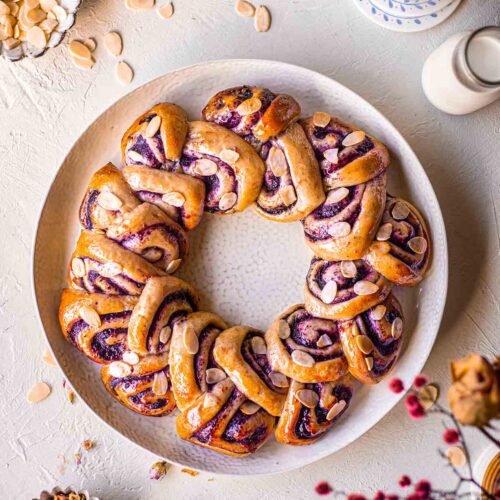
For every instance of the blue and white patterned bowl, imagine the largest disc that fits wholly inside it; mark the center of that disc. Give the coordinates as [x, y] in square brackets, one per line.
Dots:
[410, 8]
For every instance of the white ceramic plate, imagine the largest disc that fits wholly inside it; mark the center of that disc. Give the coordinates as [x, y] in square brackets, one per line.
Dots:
[247, 269]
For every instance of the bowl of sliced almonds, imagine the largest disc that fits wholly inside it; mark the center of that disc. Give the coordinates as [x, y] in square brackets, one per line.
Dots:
[29, 27]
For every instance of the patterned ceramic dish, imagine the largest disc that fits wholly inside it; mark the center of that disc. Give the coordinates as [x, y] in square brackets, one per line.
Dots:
[411, 8]
[248, 268]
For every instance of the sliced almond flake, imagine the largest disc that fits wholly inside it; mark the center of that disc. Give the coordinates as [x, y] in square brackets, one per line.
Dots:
[48, 359]
[109, 201]
[173, 266]
[249, 408]
[60, 13]
[36, 37]
[244, 8]
[348, 269]
[384, 232]
[160, 384]
[124, 73]
[249, 106]
[110, 269]
[174, 198]
[336, 195]
[190, 340]
[152, 254]
[365, 287]
[36, 15]
[262, 20]
[135, 156]
[356, 137]
[302, 358]
[130, 357]
[339, 229]
[114, 45]
[4, 9]
[215, 375]
[418, 245]
[14, 8]
[400, 210]
[428, 395]
[329, 292]
[456, 456]
[78, 267]
[49, 25]
[119, 369]
[228, 201]
[283, 329]
[165, 334]
[278, 379]
[378, 312]
[11, 43]
[258, 345]
[397, 328]
[38, 392]
[229, 156]
[336, 410]
[166, 11]
[153, 126]
[369, 363]
[277, 161]
[288, 195]
[364, 344]
[48, 5]
[210, 400]
[321, 119]
[83, 63]
[90, 316]
[31, 4]
[332, 155]
[205, 167]
[90, 43]
[307, 397]
[142, 4]
[324, 341]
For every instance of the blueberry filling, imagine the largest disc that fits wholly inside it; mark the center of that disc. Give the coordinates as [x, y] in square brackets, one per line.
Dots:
[86, 208]
[105, 351]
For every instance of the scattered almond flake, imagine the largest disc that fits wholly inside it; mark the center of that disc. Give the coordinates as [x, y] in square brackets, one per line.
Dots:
[90, 43]
[166, 11]
[364, 344]
[48, 25]
[244, 8]
[165, 334]
[113, 43]
[418, 245]
[191, 472]
[87, 444]
[339, 229]
[60, 13]
[229, 156]
[38, 392]
[210, 400]
[365, 287]
[262, 20]
[160, 384]
[378, 312]
[48, 359]
[354, 138]
[288, 195]
[48, 5]
[152, 254]
[384, 232]
[397, 328]
[348, 269]
[205, 167]
[83, 63]
[4, 9]
[78, 267]
[332, 155]
[369, 363]
[258, 345]
[174, 198]
[277, 161]
[249, 106]
[456, 456]
[428, 395]
[283, 329]
[110, 269]
[190, 340]
[130, 357]
[31, 4]
[173, 266]
[78, 459]
[321, 119]
[324, 341]
[227, 201]
[79, 50]
[336, 409]
[36, 15]
[36, 37]
[307, 397]
[90, 316]
[153, 126]
[109, 201]
[158, 470]
[124, 73]
[329, 292]
[336, 195]
[142, 4]
[135, 156]
[400, 211]
[215, 375]
[249, 408]
[119, 369]
[278, 379]
[11, 43]
[302, 358]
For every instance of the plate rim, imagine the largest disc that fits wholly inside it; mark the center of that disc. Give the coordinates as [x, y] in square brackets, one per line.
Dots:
[391, 129]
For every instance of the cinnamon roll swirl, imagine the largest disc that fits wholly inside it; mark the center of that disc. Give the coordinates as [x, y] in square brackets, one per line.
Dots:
[343, 227]
[343, 289]
[254, 113]
[180, 196]
[101, 265]
[292, 185]
[305, 348]
[222, 419]
[163, 301]
[192, 365]
[372, 340]
[312, 409]
[402, 251]
[150, 233]
[96, 323]
[231, 170]
[155, 139]
[242, 352]
[143, 387]
[107, 198]
[347, 156]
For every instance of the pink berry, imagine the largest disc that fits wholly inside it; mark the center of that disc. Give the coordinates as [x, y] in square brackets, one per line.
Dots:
[404, 481]
[396, 385]
[420, 381]
[323, 488]
[451, 436]
[411, 401]
[417, 413]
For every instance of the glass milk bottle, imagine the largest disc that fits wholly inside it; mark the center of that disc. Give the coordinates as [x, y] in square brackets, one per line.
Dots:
[463, 74]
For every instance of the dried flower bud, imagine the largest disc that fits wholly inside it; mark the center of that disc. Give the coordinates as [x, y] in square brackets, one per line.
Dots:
[474, 395]
[87, 444]
[158, 470]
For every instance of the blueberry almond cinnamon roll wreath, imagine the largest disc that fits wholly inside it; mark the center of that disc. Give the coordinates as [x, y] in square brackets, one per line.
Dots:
[242, 352]
[254, 113]
[347, 156]
[343, 289]
[402, 251]
[312, 409]
[224, 420]
[96, 324]
[292, 183]
[180, 196]
[101, 265]
[156, 138]
[372, 341]
[230, 168]
[305, 348]
[192, 366]
[343, 227]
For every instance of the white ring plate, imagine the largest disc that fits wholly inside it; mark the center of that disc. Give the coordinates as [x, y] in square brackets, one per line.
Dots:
[247, 269]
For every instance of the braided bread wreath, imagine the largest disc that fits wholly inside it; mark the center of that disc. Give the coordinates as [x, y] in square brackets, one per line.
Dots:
[235, 385]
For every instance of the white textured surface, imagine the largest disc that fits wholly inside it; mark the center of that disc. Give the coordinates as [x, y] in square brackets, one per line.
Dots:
[45, 105]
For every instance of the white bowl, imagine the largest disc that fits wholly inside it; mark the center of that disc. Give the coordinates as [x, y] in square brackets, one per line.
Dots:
[247, 269]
